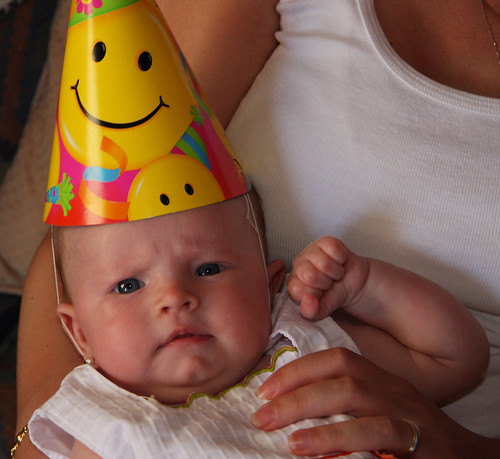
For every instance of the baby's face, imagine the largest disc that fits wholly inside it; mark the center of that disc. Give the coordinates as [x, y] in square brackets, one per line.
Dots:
[174, 304]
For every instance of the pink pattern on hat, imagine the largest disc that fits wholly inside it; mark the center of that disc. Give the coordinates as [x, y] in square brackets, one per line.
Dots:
[87, 7]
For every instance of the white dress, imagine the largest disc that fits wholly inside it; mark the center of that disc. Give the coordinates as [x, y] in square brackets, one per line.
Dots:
[115, 423]
[342, 137]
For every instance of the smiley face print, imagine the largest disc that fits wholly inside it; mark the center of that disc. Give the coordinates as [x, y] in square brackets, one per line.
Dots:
[123, 79]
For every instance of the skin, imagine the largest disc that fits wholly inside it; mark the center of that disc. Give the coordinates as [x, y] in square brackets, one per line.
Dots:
[447, 41]
[337, 380]
[227, 43]
[186, 290]
[408, 325]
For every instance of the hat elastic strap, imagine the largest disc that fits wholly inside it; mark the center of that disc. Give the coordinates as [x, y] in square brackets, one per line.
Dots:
[253, 223]
[58, 294]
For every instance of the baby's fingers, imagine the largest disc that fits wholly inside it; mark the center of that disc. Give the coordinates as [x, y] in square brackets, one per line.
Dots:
[312, 308]
[305, 279]
[321, 263]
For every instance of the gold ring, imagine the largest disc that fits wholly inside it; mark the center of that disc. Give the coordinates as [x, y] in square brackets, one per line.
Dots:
[415, 437]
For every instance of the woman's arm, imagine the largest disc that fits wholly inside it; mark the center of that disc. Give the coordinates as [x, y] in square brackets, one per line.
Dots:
[44, 353]
[226, 43]
[340, 381]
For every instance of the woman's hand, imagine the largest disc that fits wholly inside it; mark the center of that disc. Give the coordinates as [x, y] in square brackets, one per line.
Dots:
[340, 381]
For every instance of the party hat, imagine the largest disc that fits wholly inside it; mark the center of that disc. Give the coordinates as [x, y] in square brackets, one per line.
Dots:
[134, 135]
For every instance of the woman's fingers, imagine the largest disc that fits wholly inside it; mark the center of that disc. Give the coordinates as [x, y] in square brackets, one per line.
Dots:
[340, 395]
[379, 422]
[302, 403]
[380, 433]
[325, 365]
[338, 381]
[355, 435]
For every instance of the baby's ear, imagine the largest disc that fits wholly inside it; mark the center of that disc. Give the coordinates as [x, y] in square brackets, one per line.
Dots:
[67, 314]
[275, 275]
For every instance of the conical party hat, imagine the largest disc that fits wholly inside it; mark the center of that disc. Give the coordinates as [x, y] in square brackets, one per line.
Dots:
[134, 136]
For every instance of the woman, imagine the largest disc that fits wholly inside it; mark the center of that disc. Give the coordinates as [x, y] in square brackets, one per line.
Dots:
[401, 98]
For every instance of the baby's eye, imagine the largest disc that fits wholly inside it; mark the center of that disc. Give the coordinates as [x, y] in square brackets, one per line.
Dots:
[209, 269]
[128, 286]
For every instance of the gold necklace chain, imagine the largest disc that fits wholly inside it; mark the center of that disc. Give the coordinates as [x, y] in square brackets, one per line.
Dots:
[490, 32]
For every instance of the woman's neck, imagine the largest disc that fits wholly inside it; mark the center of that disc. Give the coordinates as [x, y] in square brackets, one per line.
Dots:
[446, 40]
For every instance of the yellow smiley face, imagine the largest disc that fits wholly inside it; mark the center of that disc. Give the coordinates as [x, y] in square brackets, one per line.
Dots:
[172, 184]
[123, 78]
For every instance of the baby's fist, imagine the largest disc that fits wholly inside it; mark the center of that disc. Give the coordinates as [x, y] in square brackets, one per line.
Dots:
[316, 272]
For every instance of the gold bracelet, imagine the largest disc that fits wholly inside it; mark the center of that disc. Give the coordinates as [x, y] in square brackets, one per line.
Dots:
[19, 438]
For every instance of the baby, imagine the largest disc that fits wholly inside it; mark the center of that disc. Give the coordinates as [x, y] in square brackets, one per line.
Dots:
[176, 309]
[167, 293]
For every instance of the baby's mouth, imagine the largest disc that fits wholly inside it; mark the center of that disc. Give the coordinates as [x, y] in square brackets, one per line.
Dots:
[184, 336]
[179, 337]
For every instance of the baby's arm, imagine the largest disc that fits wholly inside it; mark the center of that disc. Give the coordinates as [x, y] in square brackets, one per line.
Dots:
[80, 451]
[399, 320]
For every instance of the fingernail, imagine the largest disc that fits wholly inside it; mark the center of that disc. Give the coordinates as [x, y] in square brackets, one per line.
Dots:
[263, 417]
[267, 390]
[300, 441]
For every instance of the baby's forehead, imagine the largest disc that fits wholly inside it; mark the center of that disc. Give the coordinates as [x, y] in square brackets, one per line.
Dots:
[67, 242]
[231, 222]
[225, 217]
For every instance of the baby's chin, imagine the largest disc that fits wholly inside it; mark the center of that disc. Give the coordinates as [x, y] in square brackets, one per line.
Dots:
[177, 384]
[182, 395]
[170, 394]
